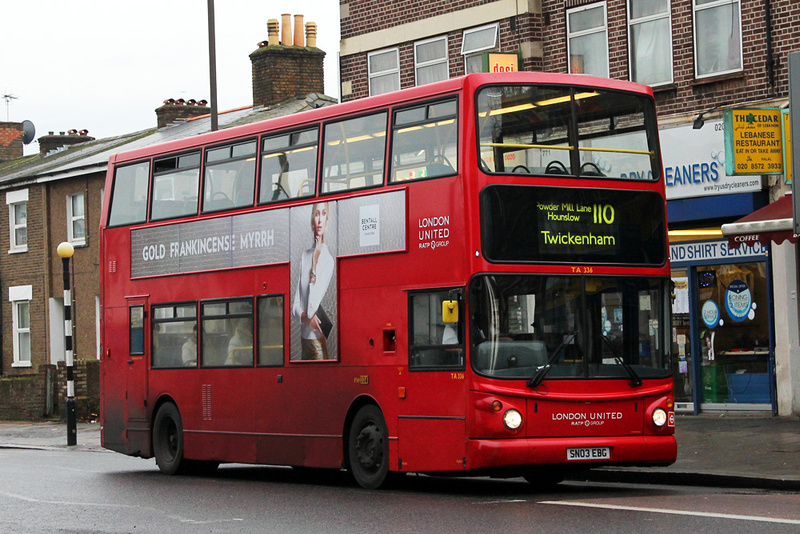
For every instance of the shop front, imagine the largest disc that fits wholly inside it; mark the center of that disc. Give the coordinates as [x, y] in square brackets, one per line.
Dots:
[722, 327]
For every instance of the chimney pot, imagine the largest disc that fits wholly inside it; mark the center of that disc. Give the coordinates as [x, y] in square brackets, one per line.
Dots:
[272, 32]
[298, 31]
[311, 34]
[286, 29]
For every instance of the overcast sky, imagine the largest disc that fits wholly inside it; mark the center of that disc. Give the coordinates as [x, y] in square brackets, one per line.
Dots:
[105, 65]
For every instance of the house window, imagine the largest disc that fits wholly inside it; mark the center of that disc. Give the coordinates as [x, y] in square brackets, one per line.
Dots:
[476, 41]
[717, 37]
[20, 298]
[18, 220]
[650, 39]
[430, 61]
[384, 71]
[76, 219]
[587, 40]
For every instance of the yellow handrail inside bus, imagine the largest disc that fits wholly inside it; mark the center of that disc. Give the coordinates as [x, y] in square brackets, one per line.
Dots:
[522, 145]
[581, 148]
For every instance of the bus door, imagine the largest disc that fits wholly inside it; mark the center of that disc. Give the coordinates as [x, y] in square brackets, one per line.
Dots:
[136, 372]
[433, 408]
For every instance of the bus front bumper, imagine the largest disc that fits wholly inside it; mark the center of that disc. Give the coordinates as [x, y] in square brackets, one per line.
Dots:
[577, 453]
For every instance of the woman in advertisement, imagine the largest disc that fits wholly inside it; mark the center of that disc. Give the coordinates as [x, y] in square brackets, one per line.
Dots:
[316, 272]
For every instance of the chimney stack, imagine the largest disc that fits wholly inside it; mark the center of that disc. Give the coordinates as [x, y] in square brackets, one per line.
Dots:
[10, 140]
[51, 142]
[180, 110]
[290, 69]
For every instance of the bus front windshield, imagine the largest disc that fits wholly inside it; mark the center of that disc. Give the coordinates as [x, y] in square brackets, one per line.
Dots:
[568, 327]
[567, 130]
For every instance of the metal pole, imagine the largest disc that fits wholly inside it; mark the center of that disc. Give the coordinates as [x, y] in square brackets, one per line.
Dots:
[65, 251]
[212, 66]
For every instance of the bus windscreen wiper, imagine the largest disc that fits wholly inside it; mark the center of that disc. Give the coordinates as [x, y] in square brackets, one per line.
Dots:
[540, 374]
[635, 380]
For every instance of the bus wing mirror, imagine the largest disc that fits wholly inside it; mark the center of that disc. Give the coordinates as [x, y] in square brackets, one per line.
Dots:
[450, 311]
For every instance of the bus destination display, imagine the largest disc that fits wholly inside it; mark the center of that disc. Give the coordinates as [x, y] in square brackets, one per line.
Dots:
[567, 225]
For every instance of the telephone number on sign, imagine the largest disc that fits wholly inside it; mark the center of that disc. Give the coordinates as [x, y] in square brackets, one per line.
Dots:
[589, 453]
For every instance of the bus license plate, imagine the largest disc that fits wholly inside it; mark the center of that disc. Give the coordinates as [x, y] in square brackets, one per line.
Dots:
[589, 453]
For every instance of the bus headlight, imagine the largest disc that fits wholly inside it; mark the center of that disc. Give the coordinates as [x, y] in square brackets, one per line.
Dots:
[659, 417]
[512, 419]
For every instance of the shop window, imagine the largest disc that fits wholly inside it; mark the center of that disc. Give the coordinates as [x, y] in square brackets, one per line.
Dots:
[734, 333]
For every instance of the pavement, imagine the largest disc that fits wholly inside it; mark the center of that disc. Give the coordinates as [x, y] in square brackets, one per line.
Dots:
[723, 450]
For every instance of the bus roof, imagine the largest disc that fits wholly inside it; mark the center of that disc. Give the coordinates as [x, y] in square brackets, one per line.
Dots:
[432, 90]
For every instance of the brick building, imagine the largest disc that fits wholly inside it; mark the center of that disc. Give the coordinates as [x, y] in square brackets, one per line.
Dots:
[56, 195]
[700, 58]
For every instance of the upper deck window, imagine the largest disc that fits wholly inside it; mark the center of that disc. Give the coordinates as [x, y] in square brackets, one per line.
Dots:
[230, 177]
[175, 183]
[425, 142]
[562, 130]
[355, 150]
[129, 194]
[289, 166]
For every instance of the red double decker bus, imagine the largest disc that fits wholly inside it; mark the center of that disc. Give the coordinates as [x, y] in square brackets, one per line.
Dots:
[468, 277]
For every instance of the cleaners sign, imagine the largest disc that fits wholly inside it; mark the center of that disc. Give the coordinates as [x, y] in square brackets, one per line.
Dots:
[753, 141]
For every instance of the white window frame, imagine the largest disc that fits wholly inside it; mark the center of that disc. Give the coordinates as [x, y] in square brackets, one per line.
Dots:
[15, 199]
[383, 73]
[432, 63]
[583, 33]
[711, 5]
[472, 52]
[72, 219]
[633, 22]
[17, 296]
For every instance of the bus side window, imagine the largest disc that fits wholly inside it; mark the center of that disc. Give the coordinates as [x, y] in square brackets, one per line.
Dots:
[230, 177]
[136, 330]
[129, 194]
[354, 153]
[433, 344]
[227, 333]
[425, 143]
[288, 166]
[270, 330]
[174, 335]
[175, 183]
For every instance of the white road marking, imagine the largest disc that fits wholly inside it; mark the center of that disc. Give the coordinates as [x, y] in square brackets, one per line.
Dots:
[675, 512]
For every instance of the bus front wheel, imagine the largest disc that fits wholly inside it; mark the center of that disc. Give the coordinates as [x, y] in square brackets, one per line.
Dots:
[368, 448]
[168, 439]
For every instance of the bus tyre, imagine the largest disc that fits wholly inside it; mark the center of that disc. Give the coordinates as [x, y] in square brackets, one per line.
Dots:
[544, 478]
[368, 448]
[168, 439]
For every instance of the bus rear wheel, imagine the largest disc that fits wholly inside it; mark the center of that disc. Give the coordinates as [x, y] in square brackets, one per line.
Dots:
[368, 448]
[168, 439]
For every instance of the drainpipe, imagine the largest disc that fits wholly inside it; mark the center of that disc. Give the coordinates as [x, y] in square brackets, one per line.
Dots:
[770, 55]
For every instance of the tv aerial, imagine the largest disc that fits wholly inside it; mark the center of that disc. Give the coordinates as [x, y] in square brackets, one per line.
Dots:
[8, 97]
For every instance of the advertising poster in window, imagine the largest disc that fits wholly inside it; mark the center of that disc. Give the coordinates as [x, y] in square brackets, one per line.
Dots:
[313, 266]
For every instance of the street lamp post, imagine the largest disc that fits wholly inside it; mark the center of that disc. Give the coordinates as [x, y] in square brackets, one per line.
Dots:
[65, 252]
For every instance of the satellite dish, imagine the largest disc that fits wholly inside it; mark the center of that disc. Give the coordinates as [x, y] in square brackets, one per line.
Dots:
[28, 132]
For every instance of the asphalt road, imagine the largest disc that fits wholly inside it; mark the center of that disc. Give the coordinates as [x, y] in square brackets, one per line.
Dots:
[71, 491]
